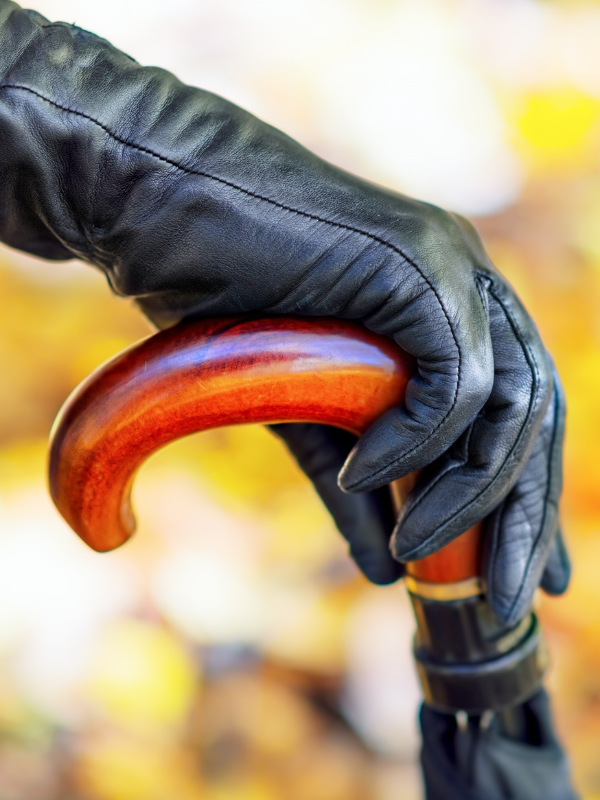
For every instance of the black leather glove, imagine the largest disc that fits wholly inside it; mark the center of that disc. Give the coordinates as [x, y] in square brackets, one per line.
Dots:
[480, 762]
[195, 207]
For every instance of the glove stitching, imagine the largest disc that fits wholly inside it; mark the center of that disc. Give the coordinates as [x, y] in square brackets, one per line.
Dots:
[492, 537]
[306, 214]
[459, 462]
[529, 418]
[531, 360]
[546, 502]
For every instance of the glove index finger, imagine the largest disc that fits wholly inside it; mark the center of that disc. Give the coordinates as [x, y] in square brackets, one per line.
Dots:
[453, 379]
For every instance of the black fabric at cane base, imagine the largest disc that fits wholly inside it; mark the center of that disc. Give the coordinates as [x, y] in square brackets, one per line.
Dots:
[476, 761]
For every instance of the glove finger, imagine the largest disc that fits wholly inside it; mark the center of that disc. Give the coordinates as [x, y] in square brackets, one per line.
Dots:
[443, 324]
[557, 572]
[365, 520]
[478, 471]
[520, 532]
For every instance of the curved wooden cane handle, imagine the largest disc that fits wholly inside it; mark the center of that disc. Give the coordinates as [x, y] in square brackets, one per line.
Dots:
[214, 373]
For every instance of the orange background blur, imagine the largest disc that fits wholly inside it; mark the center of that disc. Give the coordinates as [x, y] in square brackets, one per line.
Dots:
[231, 650]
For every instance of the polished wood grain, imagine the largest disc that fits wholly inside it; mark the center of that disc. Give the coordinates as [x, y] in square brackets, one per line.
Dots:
[211, 374]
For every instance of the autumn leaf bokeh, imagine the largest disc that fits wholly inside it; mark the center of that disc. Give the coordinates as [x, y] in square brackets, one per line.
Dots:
[231, 650]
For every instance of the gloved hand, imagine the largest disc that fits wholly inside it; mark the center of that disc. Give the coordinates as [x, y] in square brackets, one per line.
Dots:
[480, 762]
[195, 207]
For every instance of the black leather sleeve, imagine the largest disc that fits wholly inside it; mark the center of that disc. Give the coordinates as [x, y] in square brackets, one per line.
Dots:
[194, 207]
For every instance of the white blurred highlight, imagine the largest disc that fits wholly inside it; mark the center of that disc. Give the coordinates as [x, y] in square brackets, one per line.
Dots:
[391, 93]
[382, 690]
[55, 594]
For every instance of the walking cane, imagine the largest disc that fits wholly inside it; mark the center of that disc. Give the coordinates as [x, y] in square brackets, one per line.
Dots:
[232, 371]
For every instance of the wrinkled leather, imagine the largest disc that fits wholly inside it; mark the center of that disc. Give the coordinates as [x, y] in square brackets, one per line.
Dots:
[480, 762]
[194, 207]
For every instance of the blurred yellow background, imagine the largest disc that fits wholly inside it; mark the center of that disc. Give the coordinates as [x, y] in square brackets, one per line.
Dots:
[231, 650]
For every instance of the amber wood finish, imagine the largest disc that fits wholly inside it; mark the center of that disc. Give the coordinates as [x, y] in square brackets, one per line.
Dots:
[214, 373]
[457, 561]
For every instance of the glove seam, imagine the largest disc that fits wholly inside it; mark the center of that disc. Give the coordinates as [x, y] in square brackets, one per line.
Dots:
[546, 500]
[308, 215]
[533, 365]
[531, 359]
[492, 532]
[459, 462]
